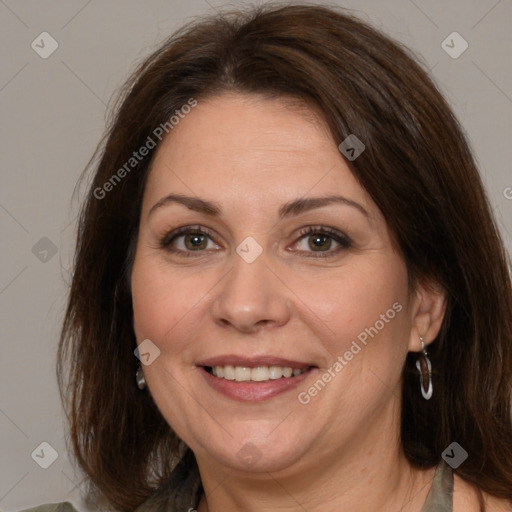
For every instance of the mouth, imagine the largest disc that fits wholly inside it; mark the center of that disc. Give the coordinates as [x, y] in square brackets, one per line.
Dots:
[256, 379]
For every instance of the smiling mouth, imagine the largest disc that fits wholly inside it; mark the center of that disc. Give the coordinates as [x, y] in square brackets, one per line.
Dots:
[256, 374]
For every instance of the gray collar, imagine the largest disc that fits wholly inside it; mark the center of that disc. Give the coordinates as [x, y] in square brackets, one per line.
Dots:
[440, 497]
[184, 490]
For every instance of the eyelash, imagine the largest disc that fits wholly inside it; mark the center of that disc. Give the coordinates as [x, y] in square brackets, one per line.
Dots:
[340, 238]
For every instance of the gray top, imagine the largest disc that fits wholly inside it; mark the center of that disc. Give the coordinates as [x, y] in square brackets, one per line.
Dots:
[439, 499]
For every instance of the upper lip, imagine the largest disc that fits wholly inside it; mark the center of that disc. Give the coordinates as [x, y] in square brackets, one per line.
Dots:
[252, 362]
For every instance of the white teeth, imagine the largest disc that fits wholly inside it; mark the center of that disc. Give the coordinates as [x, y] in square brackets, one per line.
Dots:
[242, 373]
[257, 374]
[260, 373]
[229, 372]
[276, 372]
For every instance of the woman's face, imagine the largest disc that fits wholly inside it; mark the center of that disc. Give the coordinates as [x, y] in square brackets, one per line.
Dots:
[260, 255]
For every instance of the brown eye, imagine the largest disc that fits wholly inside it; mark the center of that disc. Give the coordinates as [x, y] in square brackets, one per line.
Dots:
[187, 240]
[319, 242]
[322, 241]
[195, 241]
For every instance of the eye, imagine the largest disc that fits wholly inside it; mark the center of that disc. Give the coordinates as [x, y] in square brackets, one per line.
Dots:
[188, 239]
[320, 239]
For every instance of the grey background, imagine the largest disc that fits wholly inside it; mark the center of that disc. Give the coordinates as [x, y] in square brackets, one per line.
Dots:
[53, 115]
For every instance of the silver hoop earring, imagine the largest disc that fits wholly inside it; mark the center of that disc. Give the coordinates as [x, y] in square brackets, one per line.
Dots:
[425, 368]
[139, 378]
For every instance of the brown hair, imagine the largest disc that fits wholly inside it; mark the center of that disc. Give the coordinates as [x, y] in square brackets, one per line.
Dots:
[418, 169]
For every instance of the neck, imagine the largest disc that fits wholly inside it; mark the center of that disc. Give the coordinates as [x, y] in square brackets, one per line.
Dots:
[369, 472]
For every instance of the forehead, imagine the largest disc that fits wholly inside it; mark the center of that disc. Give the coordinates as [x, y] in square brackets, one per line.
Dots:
[251, 148]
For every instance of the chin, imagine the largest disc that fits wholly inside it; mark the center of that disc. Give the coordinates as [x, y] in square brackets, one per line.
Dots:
[253, 453]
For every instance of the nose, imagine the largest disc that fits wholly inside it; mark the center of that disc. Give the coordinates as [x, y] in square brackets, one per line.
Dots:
[251, 297]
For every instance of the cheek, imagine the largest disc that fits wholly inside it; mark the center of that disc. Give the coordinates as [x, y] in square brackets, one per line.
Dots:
[368, 296]
[171, 306]
[363, 324]
[162, 303]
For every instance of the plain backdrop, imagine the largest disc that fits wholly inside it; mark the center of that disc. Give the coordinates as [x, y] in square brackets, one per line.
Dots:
[53, 115]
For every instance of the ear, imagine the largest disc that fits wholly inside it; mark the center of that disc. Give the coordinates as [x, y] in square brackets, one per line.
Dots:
[427, 313]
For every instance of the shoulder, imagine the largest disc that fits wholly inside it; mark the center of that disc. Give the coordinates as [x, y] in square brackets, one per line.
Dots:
[53, 507]
[465, 499]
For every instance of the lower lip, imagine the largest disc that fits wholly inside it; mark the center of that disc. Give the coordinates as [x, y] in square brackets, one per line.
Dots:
[250, 391]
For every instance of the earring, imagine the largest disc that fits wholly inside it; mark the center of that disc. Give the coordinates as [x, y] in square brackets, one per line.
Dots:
[425, 368]
[139, 378]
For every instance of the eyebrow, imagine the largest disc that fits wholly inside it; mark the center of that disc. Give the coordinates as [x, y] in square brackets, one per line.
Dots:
[289, 209]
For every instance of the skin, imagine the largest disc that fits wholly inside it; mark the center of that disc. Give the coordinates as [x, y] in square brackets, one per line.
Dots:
[341, 451]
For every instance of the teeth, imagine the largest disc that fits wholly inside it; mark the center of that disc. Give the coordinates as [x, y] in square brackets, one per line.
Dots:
[229, 372]
[258, 374]
[242, 373]
[275, 372]
[287, 371]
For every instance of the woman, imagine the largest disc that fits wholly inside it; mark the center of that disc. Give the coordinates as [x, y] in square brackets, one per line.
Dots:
[289, 292]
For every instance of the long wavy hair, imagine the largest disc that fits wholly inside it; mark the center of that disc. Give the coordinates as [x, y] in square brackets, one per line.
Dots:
[418, 169]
